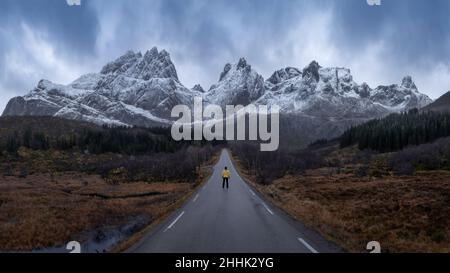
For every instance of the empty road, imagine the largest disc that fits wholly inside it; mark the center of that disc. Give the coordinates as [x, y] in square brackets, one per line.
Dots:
[237, 220]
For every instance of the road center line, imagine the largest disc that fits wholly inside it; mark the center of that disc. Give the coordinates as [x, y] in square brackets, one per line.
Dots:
[174, 222]
[196, 197]
[308, 246]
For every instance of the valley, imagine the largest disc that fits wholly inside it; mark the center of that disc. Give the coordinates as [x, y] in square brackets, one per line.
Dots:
[96, 159]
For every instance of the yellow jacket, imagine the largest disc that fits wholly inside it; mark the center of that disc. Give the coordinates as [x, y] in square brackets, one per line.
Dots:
[226, 174]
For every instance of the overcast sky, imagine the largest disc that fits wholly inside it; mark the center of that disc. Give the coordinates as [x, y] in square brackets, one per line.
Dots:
[48, 39]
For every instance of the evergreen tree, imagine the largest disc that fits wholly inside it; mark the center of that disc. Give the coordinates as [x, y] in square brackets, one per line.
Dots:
[398, 131]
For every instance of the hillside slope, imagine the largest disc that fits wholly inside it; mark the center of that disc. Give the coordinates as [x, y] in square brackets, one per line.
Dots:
[440, 105]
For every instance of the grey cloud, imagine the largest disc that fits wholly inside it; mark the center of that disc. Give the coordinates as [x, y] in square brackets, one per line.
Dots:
[380, 44]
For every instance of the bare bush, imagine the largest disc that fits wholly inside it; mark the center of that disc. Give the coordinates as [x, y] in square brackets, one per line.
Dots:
[182, 166]
[433, 156]
[269, 166]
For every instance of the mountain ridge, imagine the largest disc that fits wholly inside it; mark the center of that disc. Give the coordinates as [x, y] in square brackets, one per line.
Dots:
[442, 104]
[141, 89]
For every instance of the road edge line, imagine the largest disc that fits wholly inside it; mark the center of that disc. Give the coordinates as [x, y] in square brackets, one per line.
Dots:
[196, 197]
[308, 246]
[175, 221]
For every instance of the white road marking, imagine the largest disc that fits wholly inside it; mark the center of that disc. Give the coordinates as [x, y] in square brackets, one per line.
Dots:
[174, 222]
[196, 197]
[308, 246]
[262, 202]
[267, 208]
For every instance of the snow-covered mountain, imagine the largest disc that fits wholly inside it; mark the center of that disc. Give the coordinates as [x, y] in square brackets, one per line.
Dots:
[138, 89]
[332, 92]
[322, 102]
[239, 84]
[135, 89]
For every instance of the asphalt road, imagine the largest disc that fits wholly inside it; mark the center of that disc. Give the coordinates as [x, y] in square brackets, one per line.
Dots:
[237, 220]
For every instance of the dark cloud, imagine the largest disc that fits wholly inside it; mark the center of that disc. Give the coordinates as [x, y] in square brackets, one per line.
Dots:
[416, 30]
[71, 29]
[66, 33]
[380, 44]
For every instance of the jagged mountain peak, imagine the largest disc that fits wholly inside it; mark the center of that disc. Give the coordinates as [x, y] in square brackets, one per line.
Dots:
[142, 89]
[364, 90]
[312, 71]
[317, 90]
[152, 52]
[242, 63]
[238, 84]
[198, 88]
[152, 64]
[400, 97]
[313, 64]
[134, 89]
[43, 84]
[122, 63]
[407, 82]
[225, 71]
[284, 74]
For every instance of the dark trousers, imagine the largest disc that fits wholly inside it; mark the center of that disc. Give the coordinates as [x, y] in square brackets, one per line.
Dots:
[225, 180]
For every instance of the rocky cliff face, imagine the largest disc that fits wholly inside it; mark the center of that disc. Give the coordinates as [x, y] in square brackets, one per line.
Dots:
[239, 84]
[331, 92]
[322, 102]
[141, 89]
[135, 89]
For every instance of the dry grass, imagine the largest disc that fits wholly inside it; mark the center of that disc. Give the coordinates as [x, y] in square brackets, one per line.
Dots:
[405, 214]
[46, 208]
[204, 174]
[36, 212]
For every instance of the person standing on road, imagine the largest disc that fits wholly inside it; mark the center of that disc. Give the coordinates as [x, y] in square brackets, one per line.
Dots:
[226, 177]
